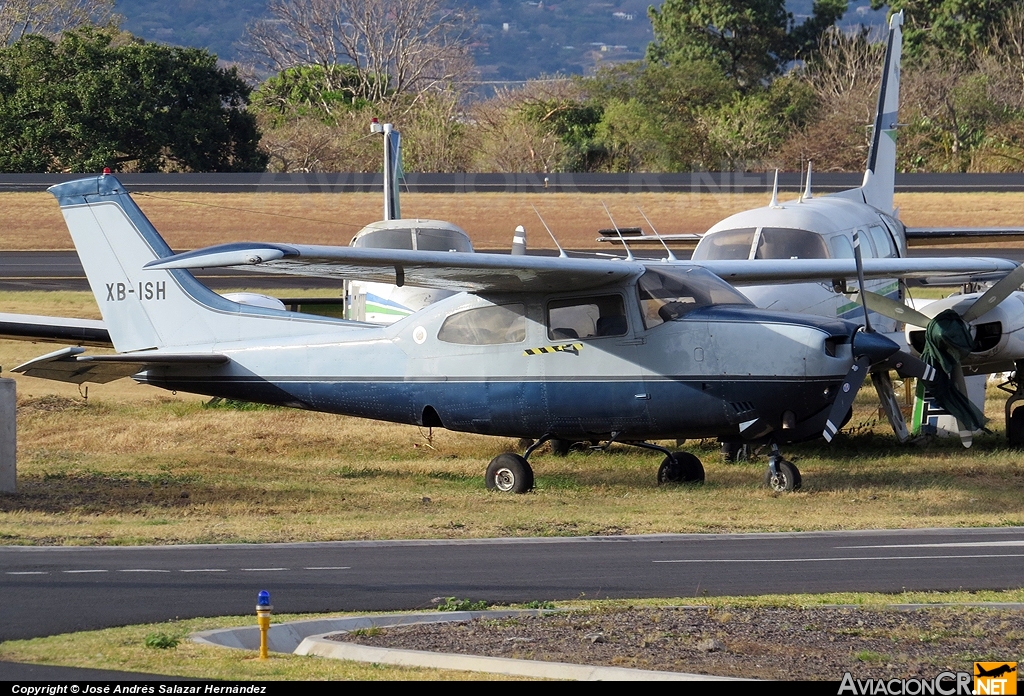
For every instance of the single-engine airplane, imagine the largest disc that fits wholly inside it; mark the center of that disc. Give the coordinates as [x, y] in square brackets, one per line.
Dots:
[528, 347]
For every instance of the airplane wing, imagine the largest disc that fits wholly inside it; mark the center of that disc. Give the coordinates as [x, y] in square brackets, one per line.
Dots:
[29, 327]
[923, 236]
[480, 272]
[446, 270]
[69, 365]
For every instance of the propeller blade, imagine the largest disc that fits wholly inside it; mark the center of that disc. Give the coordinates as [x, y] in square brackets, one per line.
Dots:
[860, 277]
[888, 307]
[995, 294]
[847, 393]
[890, 404]
[906, 365]
[966, 436]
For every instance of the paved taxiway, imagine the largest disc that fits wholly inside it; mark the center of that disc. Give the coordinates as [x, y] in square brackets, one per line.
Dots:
[49, 590]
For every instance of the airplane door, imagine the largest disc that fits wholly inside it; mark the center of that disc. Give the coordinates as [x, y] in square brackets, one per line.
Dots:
[591, 378]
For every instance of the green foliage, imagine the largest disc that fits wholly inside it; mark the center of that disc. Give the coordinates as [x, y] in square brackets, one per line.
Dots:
[536, 604]
[218, 402]
[957, 28]
[751, 40]
[453, 604]
[162, 641]
[94, 99]
[309, 90]
[574, 123]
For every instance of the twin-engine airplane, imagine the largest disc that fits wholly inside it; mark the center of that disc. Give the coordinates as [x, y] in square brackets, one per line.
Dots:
[529, 347]
[828, 227]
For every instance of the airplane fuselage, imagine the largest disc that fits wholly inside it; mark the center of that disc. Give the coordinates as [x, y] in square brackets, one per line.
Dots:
[688, 377]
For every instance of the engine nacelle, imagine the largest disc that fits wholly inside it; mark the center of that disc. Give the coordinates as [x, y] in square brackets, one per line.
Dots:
[999, 333]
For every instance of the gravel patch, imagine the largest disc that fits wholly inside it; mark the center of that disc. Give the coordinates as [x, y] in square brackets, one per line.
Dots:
[759, 643]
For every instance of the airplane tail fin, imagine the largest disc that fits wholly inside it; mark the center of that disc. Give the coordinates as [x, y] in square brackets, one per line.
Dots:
[147, 309]
[880, 175]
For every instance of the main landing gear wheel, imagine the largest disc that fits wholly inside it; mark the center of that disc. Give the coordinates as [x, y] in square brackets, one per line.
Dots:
[681, 467]
[1015, 428]
[786, 480]
[509, 473]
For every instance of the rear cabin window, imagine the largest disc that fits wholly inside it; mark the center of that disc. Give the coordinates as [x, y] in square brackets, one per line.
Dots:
[883, 243]
[485, 326]
[787, 243]
[669, 294]
[725, 245]
[842, 247]
[588, 317]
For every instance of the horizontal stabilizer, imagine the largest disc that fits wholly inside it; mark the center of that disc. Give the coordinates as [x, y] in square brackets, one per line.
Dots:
[28, 327]
[657, 239]
[922, 236]
[69, 365]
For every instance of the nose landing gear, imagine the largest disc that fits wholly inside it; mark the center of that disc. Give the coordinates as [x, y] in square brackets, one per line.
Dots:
[781, 476]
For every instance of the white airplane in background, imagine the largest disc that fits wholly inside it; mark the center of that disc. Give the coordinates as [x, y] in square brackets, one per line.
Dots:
[828, 227]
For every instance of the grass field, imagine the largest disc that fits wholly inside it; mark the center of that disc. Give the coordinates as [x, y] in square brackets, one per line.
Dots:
[133, 465]
[192, 220]
[124, 648]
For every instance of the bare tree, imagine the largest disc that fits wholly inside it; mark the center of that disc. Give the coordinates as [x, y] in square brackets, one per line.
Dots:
[50, 17]
[397, 46]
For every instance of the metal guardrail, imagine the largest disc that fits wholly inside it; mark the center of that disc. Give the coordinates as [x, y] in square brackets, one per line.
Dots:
[687, 182]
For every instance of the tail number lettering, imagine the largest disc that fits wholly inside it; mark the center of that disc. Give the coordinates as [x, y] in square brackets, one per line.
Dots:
[150, 290]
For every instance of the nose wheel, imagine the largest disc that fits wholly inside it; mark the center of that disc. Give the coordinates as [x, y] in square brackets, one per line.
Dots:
[781, 476]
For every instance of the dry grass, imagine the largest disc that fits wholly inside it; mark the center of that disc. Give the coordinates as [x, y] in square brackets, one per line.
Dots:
[136, 465]
[123, 648]
[191, 220]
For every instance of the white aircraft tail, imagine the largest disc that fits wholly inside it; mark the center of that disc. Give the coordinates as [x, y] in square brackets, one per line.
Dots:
[146, 309]
[880, 175]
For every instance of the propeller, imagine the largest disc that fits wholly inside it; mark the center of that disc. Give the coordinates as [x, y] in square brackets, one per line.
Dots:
[952, 376]
[870, 350]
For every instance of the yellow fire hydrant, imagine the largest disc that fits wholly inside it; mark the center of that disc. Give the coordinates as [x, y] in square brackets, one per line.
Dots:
[263, 609]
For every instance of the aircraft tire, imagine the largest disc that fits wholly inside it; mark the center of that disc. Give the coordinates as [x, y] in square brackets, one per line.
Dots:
[509, 473]
[559, 447]
[1015, 428]
[788, 479]
[680, 467]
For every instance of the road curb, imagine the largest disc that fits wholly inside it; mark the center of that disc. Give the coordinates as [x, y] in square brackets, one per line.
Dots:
[309, 638]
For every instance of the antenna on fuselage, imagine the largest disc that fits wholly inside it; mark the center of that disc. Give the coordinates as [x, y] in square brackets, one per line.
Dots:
[774, 202]
[807, 185]
[629, 252]
[561, 251]
[671, 256]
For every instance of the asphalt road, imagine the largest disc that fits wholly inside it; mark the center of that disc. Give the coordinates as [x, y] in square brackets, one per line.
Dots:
[50, 590]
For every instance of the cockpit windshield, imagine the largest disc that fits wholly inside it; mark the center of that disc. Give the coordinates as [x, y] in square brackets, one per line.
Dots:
[413, 237]
[667, 294]
[788, 243]
[725, 245]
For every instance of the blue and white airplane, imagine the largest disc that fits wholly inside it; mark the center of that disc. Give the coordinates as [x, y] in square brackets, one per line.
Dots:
[527, 347]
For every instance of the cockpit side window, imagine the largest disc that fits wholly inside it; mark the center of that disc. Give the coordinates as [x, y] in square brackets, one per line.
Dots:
[485, 326]
[669, 294]
[399, 238]
[842, 248]
[587, 317]
[787, 243]
[725, 245]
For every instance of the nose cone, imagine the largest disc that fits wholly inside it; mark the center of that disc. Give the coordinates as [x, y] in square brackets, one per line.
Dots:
[873, 346]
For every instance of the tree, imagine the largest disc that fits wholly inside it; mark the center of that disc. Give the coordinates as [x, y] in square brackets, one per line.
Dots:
[86, 102]
[750, 39]
[50, 18]
[956, 28]
[396, 46]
